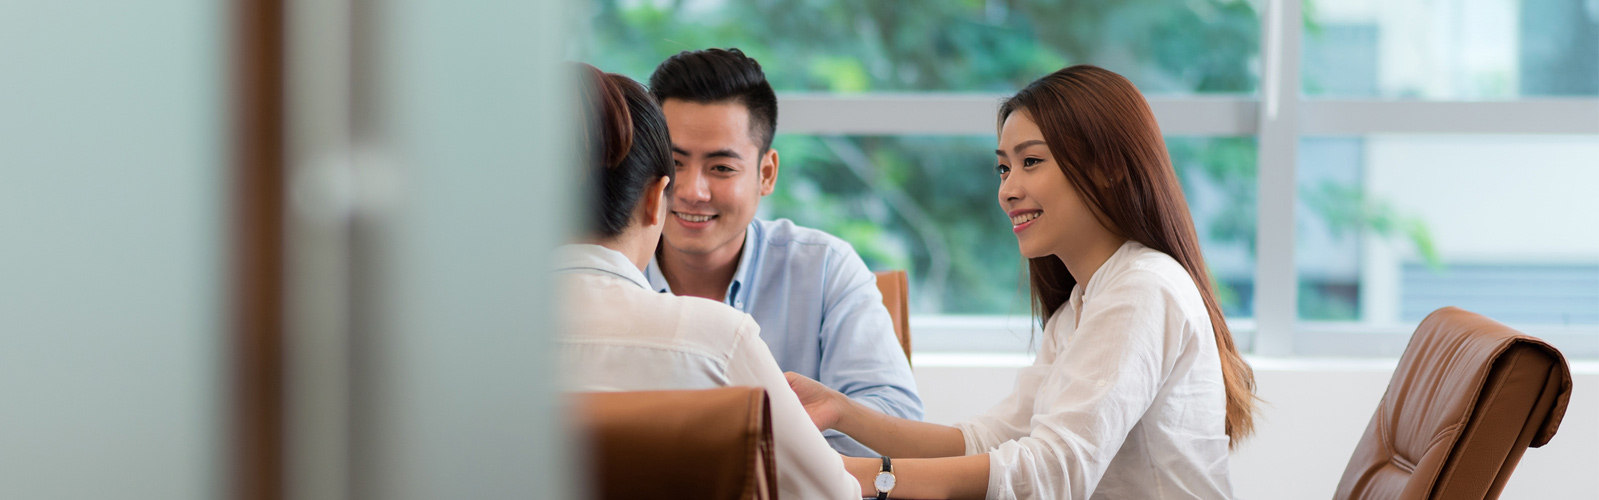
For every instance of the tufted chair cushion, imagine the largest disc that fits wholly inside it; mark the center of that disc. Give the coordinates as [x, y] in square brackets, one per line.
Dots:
[1468, 398]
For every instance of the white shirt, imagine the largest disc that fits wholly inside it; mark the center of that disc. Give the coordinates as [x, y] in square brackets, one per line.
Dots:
[621, 336]
[1128, 402]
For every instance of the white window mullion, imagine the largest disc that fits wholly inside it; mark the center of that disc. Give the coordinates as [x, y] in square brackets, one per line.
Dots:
[1540, 115]
[1276, 282]
[974, 114]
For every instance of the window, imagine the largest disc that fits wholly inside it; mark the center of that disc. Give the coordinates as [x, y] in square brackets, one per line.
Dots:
[1452, 49]
[1308, 138]
[1396, 226]
[1163, 46]
[1443, 159]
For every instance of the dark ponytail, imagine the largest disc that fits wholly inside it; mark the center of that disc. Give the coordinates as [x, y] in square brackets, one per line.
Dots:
[628, 147]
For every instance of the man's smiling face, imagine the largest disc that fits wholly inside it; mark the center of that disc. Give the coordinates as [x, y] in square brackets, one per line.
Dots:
[721, 176]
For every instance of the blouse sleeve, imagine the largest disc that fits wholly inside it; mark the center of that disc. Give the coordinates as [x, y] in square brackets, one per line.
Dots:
[1009, 419]
[807, 466]
[1100, 385]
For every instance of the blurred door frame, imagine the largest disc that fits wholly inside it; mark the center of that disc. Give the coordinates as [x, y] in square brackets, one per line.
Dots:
[256, 250]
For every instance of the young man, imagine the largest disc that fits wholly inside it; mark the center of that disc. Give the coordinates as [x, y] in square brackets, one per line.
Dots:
[816, 303]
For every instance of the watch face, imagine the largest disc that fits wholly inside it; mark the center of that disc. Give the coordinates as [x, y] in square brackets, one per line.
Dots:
[884, 481]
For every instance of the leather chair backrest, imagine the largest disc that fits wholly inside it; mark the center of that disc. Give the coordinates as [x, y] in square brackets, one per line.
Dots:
[1467, 399]
[897, 298]
[713, 444]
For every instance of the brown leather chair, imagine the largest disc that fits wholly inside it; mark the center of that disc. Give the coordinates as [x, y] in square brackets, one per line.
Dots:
[698, 444]
[1468, 398]
[897, 298]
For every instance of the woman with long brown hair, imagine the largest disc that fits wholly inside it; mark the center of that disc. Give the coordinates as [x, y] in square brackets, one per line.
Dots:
[1137, 390]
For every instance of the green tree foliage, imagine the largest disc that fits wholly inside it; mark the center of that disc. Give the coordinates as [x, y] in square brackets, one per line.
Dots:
[936, 45]
[928, 203]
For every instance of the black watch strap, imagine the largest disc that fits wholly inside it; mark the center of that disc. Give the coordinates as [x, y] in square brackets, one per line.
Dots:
[883, 495]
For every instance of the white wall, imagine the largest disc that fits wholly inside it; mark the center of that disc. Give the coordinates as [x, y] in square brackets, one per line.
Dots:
[1316, 411]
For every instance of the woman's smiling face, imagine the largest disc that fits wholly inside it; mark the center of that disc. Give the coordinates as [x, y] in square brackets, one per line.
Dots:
[1046, 212]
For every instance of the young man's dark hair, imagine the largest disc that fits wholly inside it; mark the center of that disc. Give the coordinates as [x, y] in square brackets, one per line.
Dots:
[716, 75]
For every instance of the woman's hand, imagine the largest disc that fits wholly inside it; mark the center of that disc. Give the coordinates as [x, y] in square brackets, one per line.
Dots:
[892, 436]
[825, 405]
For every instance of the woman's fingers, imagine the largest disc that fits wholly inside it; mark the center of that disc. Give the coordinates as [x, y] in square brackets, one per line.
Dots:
[823, 404]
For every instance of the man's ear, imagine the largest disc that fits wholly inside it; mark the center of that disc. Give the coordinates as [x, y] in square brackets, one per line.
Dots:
[653, 206]
[768, 172]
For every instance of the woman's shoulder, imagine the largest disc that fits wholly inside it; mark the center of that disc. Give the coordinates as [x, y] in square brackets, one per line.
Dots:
[714, 320]
[641, 317]
[1146, 274]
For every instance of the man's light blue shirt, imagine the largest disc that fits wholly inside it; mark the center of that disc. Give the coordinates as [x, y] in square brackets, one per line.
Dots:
[821, 314]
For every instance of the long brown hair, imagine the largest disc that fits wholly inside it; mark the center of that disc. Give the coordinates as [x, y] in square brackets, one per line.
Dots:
[1104, 135]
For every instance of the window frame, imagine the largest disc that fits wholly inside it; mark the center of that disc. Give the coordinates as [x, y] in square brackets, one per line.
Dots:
[1279, 116]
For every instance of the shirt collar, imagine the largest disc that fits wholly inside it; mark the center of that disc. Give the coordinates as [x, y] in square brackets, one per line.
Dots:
[598, 260]
[1080, 293]
[736, 291]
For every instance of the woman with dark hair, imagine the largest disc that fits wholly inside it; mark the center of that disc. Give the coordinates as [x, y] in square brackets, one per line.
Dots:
[1137, 390]
[620, 335]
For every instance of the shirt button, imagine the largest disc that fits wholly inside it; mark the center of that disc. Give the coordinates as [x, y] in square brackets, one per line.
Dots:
[1101, 383]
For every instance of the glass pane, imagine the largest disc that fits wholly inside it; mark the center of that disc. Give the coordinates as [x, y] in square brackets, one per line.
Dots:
[1218, 175]
[451, 304]
[1452, 49]
[928, 204]
[1163, 46]
[1394, 227]
[114, 210]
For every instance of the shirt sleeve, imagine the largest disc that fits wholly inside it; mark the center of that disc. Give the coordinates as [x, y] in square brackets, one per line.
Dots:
[806, 466]
[1011, 417]
[860, 355]
[1108, 373]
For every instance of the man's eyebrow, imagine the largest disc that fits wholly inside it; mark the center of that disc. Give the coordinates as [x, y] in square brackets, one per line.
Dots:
[720, 153]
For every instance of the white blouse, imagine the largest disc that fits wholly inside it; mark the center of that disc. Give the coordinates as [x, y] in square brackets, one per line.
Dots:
[1127, 402]
[619, 335]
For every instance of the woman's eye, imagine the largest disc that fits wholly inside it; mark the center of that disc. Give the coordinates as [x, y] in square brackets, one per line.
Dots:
[1031, 161]
[1001, 170]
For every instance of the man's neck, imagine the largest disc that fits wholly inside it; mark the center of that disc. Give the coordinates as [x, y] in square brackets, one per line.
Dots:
[702, 275]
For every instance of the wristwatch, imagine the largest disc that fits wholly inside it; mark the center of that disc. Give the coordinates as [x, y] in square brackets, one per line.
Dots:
[884, 482]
